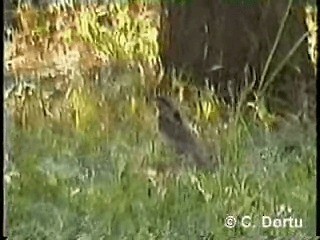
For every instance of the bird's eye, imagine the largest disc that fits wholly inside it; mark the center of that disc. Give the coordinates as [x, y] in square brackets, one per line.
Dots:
[177, 117]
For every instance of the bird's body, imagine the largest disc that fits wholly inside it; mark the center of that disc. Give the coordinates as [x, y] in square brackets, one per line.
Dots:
[177, 134]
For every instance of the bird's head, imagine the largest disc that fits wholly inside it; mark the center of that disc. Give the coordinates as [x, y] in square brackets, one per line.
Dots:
[168, 110]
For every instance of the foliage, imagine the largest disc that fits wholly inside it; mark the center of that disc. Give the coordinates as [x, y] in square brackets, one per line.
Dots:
[84, 37]
[311, 22]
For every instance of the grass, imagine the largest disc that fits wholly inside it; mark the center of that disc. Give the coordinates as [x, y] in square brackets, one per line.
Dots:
[85, 170]
[91, 184]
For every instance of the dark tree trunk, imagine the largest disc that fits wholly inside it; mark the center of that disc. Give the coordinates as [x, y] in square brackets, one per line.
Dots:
[198, 36]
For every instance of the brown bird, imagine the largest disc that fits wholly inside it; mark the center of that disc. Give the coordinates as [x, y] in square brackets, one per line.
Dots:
[177, 133]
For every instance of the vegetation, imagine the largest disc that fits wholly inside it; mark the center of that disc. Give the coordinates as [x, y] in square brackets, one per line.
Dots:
[86, 154]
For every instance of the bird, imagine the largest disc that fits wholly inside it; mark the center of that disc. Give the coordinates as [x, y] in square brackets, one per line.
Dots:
[176, 132]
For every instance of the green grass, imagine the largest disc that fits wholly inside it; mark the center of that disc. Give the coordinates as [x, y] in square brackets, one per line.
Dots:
[93, 185]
